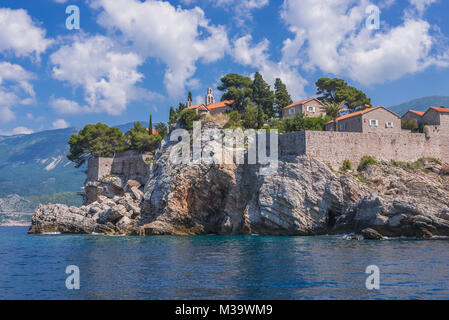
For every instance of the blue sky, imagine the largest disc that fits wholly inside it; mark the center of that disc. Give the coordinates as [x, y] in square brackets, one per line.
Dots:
[131, 58]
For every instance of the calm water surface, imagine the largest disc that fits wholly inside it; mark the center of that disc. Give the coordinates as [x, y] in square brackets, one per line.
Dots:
[219, 267]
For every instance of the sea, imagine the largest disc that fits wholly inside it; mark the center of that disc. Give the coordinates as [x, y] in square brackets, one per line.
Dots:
[220, 267]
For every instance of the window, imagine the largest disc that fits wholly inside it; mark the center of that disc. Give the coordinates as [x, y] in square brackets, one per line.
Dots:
[342, 126]
[389, 125]
[292, 111]
[310, 109]
[373, 123]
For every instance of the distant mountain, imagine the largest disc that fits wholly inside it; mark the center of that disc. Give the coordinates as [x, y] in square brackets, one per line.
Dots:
[15, 210]
[36, 164]
[421, 104]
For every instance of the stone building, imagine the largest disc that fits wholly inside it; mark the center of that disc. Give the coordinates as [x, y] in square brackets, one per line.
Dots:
[437, 117]
[413, 115]
[310, 107]
[371, 120]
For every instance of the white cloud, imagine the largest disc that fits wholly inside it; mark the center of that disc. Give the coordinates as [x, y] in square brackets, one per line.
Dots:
[60, 124]
[20, 35]
[15, 89]
[332, 36]
[256, 56]
[60, 1]
[180, 38]
[421, 5]
[15, 131]
[106, 75]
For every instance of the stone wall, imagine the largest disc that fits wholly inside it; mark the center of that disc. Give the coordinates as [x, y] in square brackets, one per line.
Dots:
[335, 147]
[128, 165]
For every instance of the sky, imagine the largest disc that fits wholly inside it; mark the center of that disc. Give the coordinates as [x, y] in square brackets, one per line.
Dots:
[130, 58]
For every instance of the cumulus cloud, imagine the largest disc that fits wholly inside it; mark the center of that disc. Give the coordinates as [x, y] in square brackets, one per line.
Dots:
[21, 35]
[16, 131]
[256, 56]
[106, 75]
[421, 5]
[178, 37]
[15, 89]
[60, 124]
[332, 36]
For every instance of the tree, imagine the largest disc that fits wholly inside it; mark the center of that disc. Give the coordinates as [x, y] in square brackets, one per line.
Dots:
[187, 117]
[250, 118]
[282, 97]
[237, 88]
[234, 121]
[409, 124]
[289, 124]
[262, 95]
[172, 117]
[190, 98]
[260, 117]
[181, 107]
[97, 140]
[162, 129]
[337, 90]
[141, 141]
[333, 110]
[150, 127]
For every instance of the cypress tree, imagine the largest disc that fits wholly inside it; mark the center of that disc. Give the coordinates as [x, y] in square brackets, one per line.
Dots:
[150, 127]
[282, 97]
[172, 117]
[260, 117]
[262, 95]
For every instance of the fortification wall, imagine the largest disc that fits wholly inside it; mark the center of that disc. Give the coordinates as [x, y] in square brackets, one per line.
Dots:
[128, 165]
[335, 147]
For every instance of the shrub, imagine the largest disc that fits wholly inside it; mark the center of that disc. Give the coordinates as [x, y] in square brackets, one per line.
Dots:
[409, 124]
[187, 117]
[347, 165]
[162, 129]
[366, 161]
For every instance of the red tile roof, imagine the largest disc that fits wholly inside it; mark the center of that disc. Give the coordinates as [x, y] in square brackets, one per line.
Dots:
[419, 113]
[195, 106]
[297, 103]
[154, 131]
[357, 113]
[220, 104]
[445, 110]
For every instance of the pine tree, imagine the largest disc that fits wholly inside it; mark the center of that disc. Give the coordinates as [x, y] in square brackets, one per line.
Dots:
[282, 97]
[262, 95]
[150, 127]
[190, 97]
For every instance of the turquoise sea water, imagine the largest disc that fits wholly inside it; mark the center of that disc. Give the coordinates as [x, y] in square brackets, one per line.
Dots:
[219, 267]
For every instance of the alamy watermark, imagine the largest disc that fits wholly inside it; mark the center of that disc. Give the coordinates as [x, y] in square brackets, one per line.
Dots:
[372, 22]
[73, 280]
[373, 280]
[73, 20]
[226, 146]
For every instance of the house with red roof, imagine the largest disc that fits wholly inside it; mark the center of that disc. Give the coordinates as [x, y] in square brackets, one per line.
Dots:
[413, 115]
[210, 106]
[370, 120]
[310, 107]
[437, 117]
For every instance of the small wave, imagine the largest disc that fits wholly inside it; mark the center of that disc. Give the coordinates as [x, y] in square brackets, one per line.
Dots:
[51, 233]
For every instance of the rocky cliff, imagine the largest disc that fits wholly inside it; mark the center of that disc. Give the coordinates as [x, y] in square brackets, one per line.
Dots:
[303, 197]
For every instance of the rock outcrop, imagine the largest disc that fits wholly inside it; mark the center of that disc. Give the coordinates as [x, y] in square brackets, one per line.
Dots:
[303, 197]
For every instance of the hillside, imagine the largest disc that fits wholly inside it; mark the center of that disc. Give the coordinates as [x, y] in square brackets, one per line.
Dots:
[421, 104]
[36, 165]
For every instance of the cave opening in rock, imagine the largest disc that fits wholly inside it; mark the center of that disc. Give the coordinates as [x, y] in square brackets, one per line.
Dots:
[331, 218]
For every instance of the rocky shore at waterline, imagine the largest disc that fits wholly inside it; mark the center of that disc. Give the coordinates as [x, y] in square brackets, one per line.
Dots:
[303, 197]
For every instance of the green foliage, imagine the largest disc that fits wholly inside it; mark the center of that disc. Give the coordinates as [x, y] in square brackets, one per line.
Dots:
[172, 116]
[282, 97]
[410, 124]
[262, 95]
[367, 161]
[141, 141]
[187, 117]
[97, 140]
[189, 97]
[260, 117]
[338, 91]
[238, 88]
[161, 129]
[347, 165]
[150, 127]
[250, 118]
[235, 120]
[314, 123]
[181, 107]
